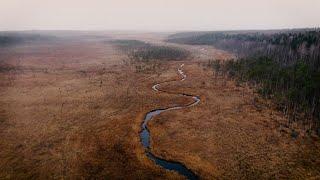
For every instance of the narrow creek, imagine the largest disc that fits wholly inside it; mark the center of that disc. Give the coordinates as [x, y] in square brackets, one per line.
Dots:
[145, 133]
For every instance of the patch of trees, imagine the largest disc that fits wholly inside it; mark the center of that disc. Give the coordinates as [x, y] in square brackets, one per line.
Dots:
[295, 88]
[8, 38]
[283, 45]
[285, 66]
[130, 45]
[141, 51]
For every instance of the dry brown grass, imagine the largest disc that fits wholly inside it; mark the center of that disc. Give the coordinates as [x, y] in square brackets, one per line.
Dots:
[70, 112]
[228, 137]
[73, 110]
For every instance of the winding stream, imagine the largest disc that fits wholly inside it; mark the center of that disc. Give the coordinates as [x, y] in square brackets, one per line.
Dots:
[145, 133]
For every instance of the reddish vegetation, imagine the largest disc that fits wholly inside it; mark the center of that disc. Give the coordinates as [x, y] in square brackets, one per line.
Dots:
[232, 133]
[74, 109]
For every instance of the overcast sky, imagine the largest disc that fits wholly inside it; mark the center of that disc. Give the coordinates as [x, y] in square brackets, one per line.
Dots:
[158, 15]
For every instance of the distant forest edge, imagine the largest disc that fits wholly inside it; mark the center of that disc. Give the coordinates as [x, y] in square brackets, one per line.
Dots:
[12, 38]
[142, 51]
[291, 45]
[284, 65]
[9, 38]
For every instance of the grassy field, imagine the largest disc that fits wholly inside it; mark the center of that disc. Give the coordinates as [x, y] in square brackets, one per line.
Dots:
[73, 109]
[232, 133]
[69, 110]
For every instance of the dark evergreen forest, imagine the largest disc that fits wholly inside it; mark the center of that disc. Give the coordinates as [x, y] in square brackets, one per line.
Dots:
[283, 65]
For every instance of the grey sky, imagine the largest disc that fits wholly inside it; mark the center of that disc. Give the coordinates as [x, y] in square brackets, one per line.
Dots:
[158, 15]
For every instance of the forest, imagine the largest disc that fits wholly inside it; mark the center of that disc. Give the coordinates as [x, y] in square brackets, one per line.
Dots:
[12, 38]
[141, 51]
[283, 65]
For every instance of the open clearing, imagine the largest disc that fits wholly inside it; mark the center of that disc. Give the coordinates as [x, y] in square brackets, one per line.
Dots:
[73, 109]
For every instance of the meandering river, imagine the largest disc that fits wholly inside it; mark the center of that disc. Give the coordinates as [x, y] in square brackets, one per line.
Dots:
[145, 133]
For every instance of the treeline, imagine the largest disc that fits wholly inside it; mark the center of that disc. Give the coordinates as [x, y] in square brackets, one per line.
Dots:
[285, 66]
[11, 38]
[141, 51]
[7, 40]
[286, 46]
[295, 88]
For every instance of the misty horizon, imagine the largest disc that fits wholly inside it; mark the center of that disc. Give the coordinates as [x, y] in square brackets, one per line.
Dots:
[160, 89]
[143, 15]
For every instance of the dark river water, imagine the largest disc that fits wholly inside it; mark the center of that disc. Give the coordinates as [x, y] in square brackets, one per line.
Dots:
[145, 133]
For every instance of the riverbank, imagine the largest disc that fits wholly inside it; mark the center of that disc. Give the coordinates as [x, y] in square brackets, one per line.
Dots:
[72, 110]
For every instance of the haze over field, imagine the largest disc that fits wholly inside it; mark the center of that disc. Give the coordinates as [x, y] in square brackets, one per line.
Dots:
[158, 15]
[160, 89]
